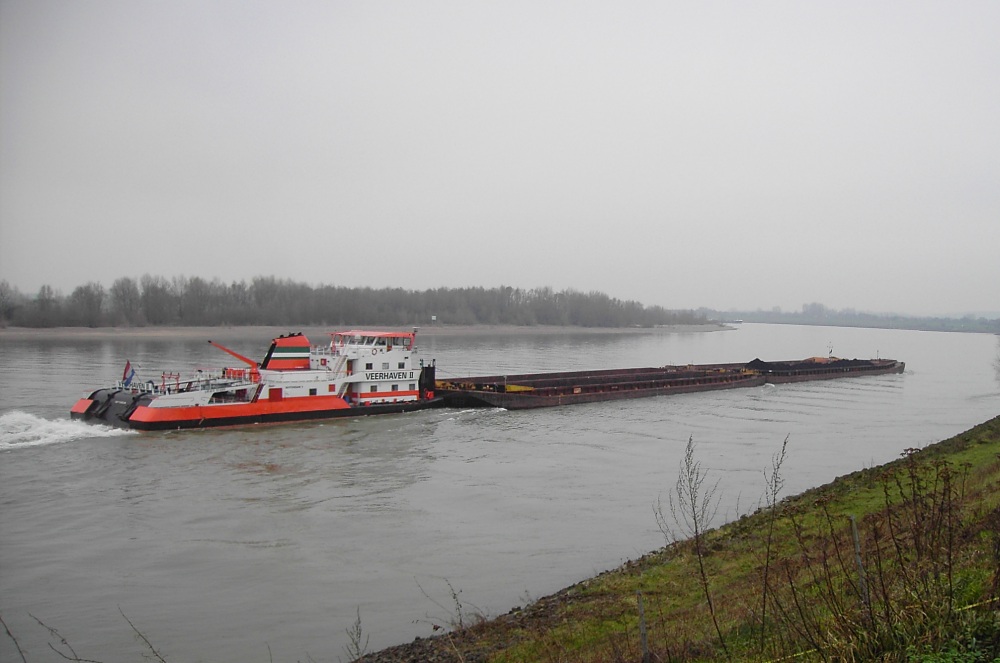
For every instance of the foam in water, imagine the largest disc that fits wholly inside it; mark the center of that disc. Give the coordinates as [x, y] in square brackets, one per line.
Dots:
[20, 429]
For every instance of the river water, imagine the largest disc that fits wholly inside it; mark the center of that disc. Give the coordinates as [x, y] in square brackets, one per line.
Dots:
[266, 542]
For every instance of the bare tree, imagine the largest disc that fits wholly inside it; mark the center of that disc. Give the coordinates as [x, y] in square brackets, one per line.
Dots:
[693, 506]
[158, 300]
[10, 299]
[46, 307]
[126, 301]
[86, 304]
[775, 482]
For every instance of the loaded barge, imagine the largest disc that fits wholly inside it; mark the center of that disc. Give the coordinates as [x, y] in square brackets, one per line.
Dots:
[536, 390]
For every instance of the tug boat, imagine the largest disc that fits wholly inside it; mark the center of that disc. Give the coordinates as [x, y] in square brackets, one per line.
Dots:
[357, 373]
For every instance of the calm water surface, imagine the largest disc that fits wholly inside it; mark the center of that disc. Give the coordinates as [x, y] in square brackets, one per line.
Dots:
[248, 543]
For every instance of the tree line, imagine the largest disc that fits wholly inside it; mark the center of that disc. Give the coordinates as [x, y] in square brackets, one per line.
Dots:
[817, 314]
[266, 300]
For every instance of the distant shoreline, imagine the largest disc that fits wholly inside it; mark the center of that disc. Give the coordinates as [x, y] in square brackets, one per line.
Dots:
[266, 331]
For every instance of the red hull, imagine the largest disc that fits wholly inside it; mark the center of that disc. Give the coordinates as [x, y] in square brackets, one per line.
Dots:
[145, 418]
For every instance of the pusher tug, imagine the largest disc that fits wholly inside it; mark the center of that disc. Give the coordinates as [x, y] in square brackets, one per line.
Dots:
[357, 373]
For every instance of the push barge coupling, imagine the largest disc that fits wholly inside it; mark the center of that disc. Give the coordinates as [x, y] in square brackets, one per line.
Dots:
[536, 390]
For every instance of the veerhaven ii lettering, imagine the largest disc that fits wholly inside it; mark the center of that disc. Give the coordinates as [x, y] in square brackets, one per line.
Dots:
[397, 375]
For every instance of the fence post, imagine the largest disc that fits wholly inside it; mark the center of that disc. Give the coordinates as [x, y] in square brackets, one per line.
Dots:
[862, 580]
[642, 629]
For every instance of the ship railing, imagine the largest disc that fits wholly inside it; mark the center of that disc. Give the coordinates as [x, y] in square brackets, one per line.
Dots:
[331, 351]
[347, 351]
[353, 349]
[326, 352]
[136, 387]
[172, 383]
[251, 375]
[148, 387]
[333, 360]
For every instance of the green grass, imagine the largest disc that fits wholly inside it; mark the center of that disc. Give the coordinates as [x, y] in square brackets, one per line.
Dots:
[929, 537]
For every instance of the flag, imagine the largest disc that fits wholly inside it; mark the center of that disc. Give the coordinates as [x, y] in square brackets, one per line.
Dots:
[128, 374]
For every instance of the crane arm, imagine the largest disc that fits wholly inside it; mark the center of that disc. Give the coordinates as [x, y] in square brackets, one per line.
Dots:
[249, 362]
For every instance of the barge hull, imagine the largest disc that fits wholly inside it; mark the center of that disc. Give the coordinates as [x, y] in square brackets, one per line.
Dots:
[515, 401]
[538, 390]
[788, 372]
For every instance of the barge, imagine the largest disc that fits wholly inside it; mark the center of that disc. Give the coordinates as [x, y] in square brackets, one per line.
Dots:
[823, 368]
[357, 373]
[537, 390]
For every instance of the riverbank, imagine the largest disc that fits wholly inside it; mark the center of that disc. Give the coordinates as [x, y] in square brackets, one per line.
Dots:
[784, 582]
[267, 332]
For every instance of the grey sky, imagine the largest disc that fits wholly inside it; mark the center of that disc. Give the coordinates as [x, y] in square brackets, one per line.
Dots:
[721, 154]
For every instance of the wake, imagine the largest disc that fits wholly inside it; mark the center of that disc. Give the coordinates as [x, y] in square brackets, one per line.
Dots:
[19, 430]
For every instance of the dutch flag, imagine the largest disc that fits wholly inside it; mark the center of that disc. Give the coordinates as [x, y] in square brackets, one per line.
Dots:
[128, 374]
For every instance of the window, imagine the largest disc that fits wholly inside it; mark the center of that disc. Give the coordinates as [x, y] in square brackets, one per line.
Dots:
[312, 392]
[395, 387]
[369, 366]
[373, 388]
[385, 366]
[413, 387]
[401, 364]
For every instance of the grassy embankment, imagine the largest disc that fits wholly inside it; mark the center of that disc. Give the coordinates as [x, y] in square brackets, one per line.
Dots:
[895, 563]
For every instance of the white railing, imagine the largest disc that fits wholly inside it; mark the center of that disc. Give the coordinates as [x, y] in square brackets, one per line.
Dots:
[172, 383]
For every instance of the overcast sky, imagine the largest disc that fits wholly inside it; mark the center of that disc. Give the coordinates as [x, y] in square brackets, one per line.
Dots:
[719, 154]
